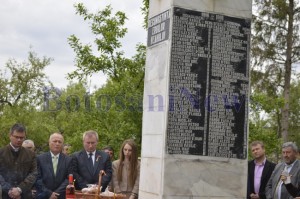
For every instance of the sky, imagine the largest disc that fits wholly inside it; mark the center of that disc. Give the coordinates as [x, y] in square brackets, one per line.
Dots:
[44, 26]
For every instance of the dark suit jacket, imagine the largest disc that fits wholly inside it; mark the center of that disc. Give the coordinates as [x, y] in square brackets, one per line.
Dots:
[47, 182]
[85, 175]
[266, 174]
[293, 190]
[275, 177]
[17, 169]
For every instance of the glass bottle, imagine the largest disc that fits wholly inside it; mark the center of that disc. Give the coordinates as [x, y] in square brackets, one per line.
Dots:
[70, 189]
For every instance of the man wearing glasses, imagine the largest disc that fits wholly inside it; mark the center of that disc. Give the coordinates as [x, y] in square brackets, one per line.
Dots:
[18, 170]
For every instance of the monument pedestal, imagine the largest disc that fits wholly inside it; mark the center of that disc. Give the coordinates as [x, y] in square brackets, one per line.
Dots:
[194, 143]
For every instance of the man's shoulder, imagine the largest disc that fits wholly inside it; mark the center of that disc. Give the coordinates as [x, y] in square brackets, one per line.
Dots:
[43, 155]
[270, 163]
[278, 166]
[297, 164]
[250, 162]
[27, 152]
[77, 154]
[102, 154]
[116, 162]
[65, 157]
[4, 153]
[4, 148]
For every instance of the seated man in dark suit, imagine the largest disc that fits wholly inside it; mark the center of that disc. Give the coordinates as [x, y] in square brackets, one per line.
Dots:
[259, 171]
[53, 170]
[87, 164]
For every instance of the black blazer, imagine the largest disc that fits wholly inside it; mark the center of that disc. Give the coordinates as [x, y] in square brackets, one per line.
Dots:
[266, 174]
[47, 182]
[85, 175]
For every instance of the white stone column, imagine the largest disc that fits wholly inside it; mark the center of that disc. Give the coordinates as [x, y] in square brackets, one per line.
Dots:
[167, 174]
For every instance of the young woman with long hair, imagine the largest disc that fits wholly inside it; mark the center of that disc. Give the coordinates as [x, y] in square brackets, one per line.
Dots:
[126, 170]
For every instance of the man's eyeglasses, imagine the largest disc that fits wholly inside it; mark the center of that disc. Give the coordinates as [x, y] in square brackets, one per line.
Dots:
[18, 137]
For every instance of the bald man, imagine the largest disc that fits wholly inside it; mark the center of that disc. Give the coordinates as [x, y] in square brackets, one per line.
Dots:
[29, 144]
[53, 170]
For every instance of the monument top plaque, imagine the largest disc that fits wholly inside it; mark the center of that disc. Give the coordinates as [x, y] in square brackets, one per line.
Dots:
[158, 28]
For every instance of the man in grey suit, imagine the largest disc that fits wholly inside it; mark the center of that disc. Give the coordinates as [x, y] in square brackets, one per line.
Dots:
[87, 164]
[53, 170]
[276, 188]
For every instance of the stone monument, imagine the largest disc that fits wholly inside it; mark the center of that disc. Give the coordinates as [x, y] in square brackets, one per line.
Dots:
[194, 141]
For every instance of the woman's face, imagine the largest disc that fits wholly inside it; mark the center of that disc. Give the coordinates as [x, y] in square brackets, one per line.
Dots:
[127, 150]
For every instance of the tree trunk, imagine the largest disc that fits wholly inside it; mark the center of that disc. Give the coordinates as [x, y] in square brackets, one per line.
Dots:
[287, 75]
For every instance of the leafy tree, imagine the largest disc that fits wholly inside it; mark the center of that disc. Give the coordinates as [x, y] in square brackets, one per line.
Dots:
[261, 123]
[71, 117]
[145, 10]
[275, 47]
[295, 112]
[22, 83]
[21, 86]
[116, 107]
[113, 113]
[108, 28]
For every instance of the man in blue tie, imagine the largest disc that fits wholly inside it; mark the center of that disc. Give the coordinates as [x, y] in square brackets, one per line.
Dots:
[87, 163]
[53, 170]
[276, 188]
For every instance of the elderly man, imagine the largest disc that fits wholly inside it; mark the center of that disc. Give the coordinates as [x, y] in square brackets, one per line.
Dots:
[289, 168]
[87, 164]
[18, 168]
[53, 170]
[293, 190]
[29, 144]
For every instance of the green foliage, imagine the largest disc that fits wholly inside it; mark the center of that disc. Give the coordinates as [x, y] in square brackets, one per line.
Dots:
[21, 97]
[264, 109]
[108, 29]
[294, 120]
[116, 108]
[260, 130]
[21, 83]
[145, 10]
[114, 111]
[275, 47]
[262, 102]
[264, 116]
[270, 32]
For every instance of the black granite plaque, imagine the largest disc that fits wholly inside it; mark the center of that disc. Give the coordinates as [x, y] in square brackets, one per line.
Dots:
[209, 83]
